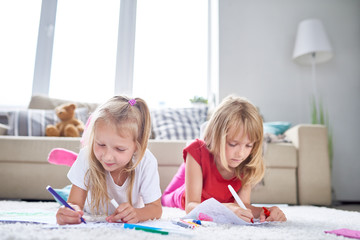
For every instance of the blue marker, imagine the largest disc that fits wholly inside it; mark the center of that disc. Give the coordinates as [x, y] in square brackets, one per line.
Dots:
[196, 221]
[58, 197]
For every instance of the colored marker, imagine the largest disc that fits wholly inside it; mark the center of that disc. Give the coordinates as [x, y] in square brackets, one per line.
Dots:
[206, 223]
[237, 199]
[163, 231]
[114, 203]
[196, 221]
[60, 199]
[266, 211]
[191, 222]
[146, 228]
[203, 223]
[183, 224]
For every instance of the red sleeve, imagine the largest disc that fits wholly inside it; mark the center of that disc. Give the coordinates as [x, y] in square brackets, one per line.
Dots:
[194, 149]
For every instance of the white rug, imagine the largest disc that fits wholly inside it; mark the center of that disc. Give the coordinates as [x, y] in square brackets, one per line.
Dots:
[304, 222]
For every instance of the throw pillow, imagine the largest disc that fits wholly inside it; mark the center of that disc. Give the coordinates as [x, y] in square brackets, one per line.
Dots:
[3, 129]
[276, 128]
[32, 122]
[178, 123]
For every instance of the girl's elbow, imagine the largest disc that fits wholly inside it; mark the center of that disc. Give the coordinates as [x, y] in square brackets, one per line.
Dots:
[159, 211]
[190, 206]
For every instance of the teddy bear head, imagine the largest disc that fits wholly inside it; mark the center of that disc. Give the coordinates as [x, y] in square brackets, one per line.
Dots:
[65, 111]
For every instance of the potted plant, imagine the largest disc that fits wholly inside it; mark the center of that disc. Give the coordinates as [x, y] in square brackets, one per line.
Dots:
[198, 100]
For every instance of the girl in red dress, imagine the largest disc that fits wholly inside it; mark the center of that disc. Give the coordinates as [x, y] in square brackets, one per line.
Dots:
[230, 154]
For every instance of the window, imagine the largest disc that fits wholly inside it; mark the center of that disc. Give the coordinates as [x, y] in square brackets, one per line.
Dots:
[19, 24]
[170, 65]
[79, 45]
[84, 55]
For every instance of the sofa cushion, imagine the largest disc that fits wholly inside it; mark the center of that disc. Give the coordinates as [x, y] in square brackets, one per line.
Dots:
[3, 129]
[178, 123]
[45, 102]
[282, 155]
[32, 122]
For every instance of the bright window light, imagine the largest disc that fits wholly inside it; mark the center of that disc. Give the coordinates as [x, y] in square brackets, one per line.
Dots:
[84, 55]
[171, 51]
[19, 25]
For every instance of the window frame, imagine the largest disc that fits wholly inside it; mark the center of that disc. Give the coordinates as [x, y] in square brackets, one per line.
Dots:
[123, 82]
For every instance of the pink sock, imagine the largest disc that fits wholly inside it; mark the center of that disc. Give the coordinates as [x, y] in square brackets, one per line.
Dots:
[61, 156]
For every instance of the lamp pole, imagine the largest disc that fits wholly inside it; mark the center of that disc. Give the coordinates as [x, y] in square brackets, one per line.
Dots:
[313, 73]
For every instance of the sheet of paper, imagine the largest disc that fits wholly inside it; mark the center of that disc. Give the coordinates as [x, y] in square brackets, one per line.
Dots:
[33, 216]
[159, 224]
[217, 211]
[87, 225]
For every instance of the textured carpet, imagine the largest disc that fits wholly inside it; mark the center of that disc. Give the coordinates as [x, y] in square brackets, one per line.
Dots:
[304, 222]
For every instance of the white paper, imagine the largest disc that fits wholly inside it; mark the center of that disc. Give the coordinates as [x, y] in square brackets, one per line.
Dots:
[33, 216]
[217, 211]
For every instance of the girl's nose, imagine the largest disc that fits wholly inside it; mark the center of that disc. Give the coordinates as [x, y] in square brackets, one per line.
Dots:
[240, 151]
[107, 156]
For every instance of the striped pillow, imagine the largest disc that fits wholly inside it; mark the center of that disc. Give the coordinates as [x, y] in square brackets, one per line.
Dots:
[32, 122]
[178, 123]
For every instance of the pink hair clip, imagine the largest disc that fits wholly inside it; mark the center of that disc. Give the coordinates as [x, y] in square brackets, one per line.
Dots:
[132, 102]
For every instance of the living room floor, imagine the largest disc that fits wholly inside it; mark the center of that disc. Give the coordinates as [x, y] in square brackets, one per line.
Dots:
[352, 206]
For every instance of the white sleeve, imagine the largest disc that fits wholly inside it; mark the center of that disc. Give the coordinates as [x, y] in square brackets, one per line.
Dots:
[78, 170]
[149, 179]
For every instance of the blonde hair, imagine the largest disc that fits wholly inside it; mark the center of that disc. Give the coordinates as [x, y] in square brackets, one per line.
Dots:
[133, 119]
[237, 113]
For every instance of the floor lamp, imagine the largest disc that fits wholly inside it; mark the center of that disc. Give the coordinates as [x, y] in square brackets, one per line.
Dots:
[312, 46]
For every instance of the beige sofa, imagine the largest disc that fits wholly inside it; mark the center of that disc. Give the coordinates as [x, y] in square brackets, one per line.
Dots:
[296, 173]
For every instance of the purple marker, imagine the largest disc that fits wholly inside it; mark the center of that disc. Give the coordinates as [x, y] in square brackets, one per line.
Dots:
[58, 197]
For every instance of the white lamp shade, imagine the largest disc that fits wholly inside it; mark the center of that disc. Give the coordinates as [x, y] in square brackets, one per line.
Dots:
[311, 38]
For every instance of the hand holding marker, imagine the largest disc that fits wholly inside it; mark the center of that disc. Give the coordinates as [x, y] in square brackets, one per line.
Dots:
[237, 199]
[60, 199]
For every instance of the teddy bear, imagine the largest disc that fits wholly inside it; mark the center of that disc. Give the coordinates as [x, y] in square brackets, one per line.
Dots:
[68, 126]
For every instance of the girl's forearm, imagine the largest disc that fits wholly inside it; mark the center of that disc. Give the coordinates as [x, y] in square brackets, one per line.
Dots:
[190, 206]
[150, 211]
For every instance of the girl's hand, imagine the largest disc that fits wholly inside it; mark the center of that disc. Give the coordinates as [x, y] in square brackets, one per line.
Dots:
[124, 213]
[274, 214]
[66, 215]
[244, 214]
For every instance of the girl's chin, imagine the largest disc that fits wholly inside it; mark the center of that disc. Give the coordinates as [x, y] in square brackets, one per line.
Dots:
[234, 164]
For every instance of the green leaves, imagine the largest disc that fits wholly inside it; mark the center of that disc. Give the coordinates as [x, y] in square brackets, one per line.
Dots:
[197, 99]
[318, 117]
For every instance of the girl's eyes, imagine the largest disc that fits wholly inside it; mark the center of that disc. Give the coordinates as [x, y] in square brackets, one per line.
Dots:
[234, 145]
[117, 149]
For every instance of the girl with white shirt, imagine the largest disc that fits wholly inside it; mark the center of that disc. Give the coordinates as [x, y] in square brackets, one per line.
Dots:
[115, 164]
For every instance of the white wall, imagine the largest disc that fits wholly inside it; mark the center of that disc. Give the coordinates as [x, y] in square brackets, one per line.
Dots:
[255, 60]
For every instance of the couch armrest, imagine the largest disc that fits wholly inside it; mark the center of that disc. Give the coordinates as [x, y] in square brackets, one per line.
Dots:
[169, 154]
[24, 168]
[314, 180]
